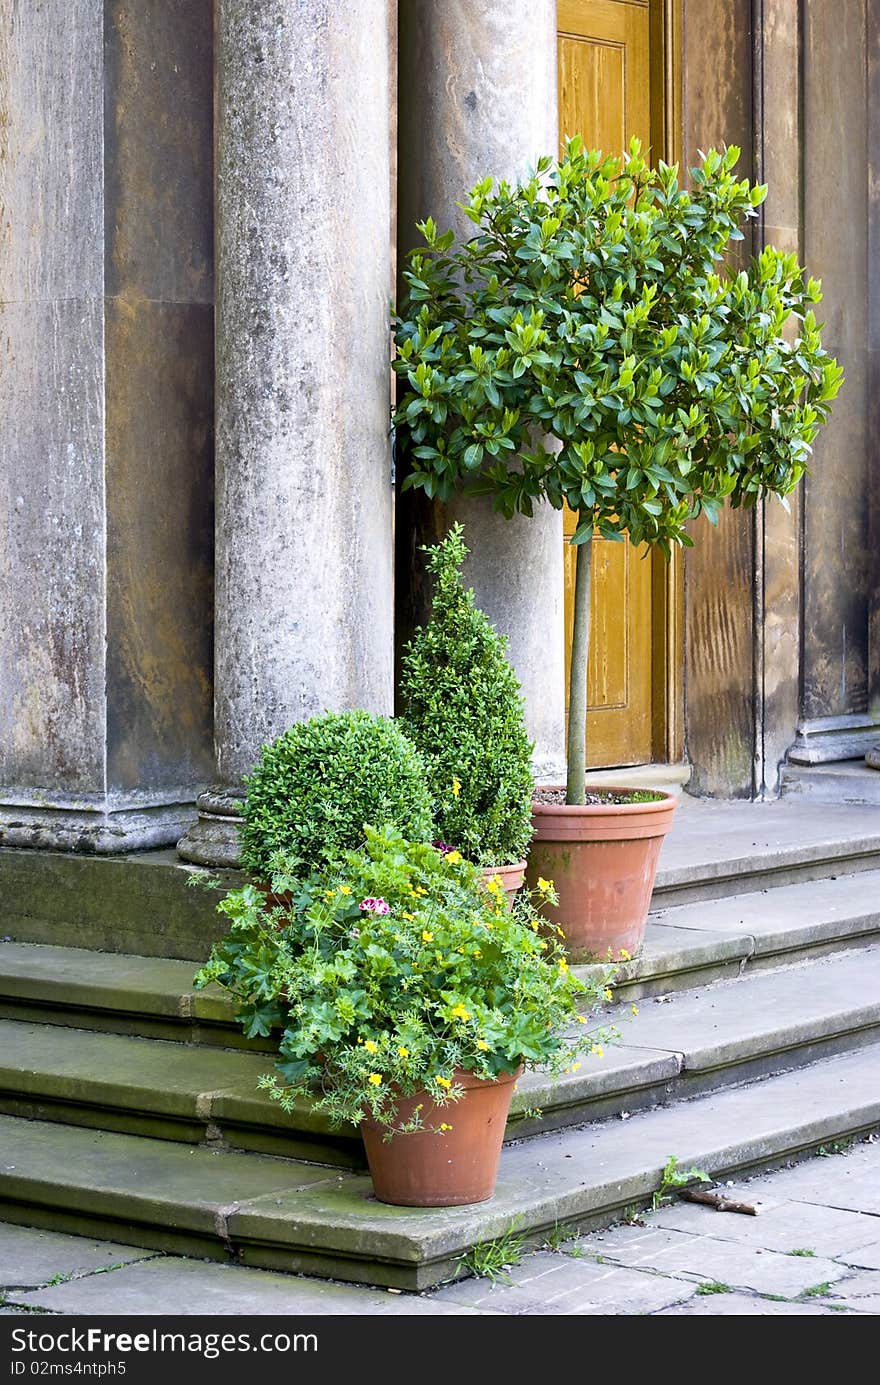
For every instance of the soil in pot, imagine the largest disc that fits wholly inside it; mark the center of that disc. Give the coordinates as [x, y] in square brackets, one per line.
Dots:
[448, 1168]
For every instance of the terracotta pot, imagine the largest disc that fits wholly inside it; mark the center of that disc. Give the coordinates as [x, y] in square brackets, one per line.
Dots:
[602, 858]
[511, 877]
[449, 1169]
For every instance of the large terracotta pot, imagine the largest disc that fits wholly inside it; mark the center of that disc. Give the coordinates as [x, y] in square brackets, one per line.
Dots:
[433, 1169]
[602, 858]
[511, 877]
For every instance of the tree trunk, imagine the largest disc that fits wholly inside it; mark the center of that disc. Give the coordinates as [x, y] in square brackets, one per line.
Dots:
[577, 683]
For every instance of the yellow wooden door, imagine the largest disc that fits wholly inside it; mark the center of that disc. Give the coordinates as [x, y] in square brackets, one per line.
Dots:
[604, 96]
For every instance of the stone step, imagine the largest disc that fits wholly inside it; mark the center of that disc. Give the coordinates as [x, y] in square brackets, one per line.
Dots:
[719, 849]
[142, 905]
[677, 1046]
[303, 1218]
[685, 946]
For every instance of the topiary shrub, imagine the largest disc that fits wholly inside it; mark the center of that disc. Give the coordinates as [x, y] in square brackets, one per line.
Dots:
[316, 786]
[463, 709]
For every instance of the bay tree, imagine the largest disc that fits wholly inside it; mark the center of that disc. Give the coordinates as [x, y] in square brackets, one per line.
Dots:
[592, 345]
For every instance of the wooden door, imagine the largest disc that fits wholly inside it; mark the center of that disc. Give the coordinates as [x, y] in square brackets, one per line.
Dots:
[605, 96]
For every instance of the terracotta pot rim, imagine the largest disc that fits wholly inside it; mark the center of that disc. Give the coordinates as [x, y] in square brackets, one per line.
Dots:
[508, 869]
[595, 810]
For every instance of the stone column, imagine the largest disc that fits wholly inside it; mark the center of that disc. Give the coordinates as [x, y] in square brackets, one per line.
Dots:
[106, 292]
[478, 96]
[303, 613]
[838, 721]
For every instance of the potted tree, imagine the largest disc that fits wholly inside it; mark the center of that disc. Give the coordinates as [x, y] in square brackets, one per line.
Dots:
[462, 707]
[406, 1000]
[587, 347]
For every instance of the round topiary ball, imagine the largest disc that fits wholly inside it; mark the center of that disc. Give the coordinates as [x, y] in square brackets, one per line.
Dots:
[317, 785]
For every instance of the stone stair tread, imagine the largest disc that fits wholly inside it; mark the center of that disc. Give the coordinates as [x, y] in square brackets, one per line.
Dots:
[113, 980]
[722, 848]
[291, 1215]
[702, 1030]
[774, 919]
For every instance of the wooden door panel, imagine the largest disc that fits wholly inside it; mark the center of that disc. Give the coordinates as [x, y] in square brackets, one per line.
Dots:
[604, 96]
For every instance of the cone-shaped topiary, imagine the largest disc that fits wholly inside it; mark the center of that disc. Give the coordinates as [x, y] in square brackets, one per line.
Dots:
[317, 785]
[463, 709]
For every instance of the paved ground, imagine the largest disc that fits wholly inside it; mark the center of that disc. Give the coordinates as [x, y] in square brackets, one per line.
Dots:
[814, 1248]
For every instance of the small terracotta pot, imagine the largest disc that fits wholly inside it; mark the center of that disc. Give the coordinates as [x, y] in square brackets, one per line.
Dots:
[442, 1169]
[511, 877]
[602, 859]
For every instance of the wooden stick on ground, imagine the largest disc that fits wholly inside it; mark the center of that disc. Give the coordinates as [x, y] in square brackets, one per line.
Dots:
[714, 1197]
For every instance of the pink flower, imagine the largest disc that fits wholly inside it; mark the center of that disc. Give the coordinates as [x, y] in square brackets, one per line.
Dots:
[375, 906]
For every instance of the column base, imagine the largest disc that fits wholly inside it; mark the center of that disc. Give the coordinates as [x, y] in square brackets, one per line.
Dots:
[214, 839]
[94, 830]
[872, 759]
[824, 740]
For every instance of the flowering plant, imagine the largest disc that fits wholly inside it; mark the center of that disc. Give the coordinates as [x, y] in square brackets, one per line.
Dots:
[390, 971]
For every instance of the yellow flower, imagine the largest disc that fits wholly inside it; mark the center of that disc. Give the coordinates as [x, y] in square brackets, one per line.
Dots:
[444, 1126]
[329, 894]
[598, 1050]
[443, 1082]
[454, 858]
[460, 1013]
[405, 915]
[419, 891]
[545, 886]
[404, 1052]
[427, 937]
[371, 1047]
[345, 889]
[375, 1078]
[582, 1019]
[635, 1009]
[495, 884]
[477, 952]
[575, 1066]
[563, 966]
[482, 1045]
[456, 788]
[625, 956]
[489, 923]
[609, 994]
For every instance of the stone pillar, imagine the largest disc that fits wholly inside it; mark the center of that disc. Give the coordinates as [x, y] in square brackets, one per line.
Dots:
[872, 29]
[478, 96]
[837, 719]
[304, 613]
[777, 160]
[106, 405]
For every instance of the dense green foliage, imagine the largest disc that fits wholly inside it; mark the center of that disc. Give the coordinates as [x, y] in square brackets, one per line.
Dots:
[463, 709]
[387, 973]
[591, 306]
[315, 787]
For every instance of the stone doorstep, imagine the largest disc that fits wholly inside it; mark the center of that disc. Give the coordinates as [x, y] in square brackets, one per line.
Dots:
[685, 945]
[285, 1215]
[694, 1041]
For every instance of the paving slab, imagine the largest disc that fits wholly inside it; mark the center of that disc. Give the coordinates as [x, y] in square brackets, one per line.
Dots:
[172, 1285]
[830, 1232]
[864, 1257]
[559, 1283]
[742, 1306]
[861, 1292]
[29, 1257]
[706, 1260]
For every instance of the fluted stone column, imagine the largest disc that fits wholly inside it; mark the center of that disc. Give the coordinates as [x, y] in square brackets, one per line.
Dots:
[106, 434]
[478, 96]
[304, 619]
